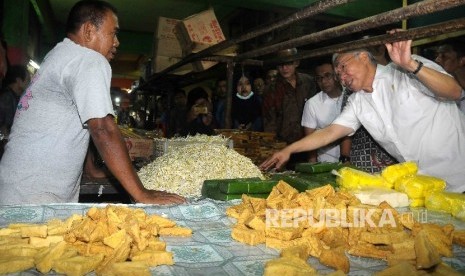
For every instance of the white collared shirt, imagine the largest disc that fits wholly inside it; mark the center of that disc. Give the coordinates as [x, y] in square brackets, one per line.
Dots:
[405, 118]
[319, 112]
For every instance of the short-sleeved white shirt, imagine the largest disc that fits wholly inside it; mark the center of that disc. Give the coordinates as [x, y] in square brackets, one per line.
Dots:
[45, 154]
[319, 112]
[405, 118]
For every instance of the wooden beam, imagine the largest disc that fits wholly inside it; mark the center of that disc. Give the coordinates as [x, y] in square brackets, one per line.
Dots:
[417, 9]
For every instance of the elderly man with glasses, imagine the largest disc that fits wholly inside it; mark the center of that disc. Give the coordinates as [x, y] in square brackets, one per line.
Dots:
[408, 107]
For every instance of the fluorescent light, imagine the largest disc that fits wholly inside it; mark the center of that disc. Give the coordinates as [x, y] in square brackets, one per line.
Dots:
[34, 64]
[117, 100]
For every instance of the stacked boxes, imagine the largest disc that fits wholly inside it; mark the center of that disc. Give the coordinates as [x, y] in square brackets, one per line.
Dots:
[167, 50]
[175, 39]
[198, 32]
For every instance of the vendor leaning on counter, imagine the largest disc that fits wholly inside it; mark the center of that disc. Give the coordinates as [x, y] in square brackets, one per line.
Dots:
[408, 106]
[68, 99]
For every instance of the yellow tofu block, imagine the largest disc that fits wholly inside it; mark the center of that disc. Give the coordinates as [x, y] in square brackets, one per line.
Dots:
[118, 255]
[73, 218]
[160, 221]
[77, 265]
[299, 251]
[10, 232]
[386, 238]
[5, 241]
[284, 233]
[256, 223]
[248, 236]
[175, 231]
[44, 242]
[34, 231]
[92, 248]
[44, 260]
[402, 268]
[277, 243]
[234, 211]
[16, 264]
[153, 258]
[128, 269]
[156, 244]
[115, 239]
[56, 227]
[288, 266]
[20, 225]
[19, 251]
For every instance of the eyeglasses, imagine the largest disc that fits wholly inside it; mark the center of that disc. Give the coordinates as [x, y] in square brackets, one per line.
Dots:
[326, 76]
[342, 66]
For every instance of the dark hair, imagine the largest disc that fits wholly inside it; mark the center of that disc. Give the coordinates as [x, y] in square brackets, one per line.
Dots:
[87, 11]
[194, 95]
[322, 60]
[14, 72]
[455, 45]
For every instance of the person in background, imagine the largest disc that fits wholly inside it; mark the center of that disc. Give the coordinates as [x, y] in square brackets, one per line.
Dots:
[271, 76]
[68, 100]
[322, 109]
[15, 83]
[123, 117]
[199, 117]
[141, 119]
[408, 107]
[361, 150]
[3, 59]
[3, 71]
[177, 113]
[283, 106]
[259, 86]
[246, 107]
[219, 101]
[451, 56]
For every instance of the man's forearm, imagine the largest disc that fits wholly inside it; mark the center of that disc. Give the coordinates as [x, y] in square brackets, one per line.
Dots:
[110, 144]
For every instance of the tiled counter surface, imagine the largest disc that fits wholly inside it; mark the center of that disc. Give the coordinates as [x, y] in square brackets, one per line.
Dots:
[211, 250]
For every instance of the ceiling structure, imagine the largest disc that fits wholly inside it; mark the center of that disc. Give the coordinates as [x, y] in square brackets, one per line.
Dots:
[138, 21]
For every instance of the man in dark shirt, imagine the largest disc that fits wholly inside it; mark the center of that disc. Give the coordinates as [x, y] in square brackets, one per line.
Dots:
[283, 107]
[16, 81]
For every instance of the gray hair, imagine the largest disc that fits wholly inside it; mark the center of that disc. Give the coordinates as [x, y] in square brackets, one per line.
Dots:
[355, 52]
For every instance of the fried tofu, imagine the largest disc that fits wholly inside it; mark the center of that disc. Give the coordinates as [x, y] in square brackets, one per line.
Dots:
[77, 265]
[288, 266]
[16, 264]
[335, 258]
[247, 235]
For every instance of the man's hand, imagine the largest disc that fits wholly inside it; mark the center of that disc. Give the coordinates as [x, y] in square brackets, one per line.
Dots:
[277, 160]
[158, 197]
[400, 52]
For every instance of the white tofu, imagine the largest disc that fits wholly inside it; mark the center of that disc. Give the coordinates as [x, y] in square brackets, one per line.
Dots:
[374, 196]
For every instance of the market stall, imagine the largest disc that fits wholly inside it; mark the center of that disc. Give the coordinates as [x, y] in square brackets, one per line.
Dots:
[211, 250]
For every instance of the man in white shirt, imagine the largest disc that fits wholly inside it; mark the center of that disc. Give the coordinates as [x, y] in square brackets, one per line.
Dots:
[322, 109]
[451, 56]
[408, 107]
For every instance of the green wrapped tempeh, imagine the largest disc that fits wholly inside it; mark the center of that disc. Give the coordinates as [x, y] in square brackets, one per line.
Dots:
[317, 167]
[247, 187]
[217, 195]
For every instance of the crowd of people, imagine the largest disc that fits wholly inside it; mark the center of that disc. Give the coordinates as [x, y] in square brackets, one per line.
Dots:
[371, 107]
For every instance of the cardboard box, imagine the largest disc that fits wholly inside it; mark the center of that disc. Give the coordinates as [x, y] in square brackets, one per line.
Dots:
[166, 28]
[199, 31]
[139, 147]
[162, 62]
[167, 47]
